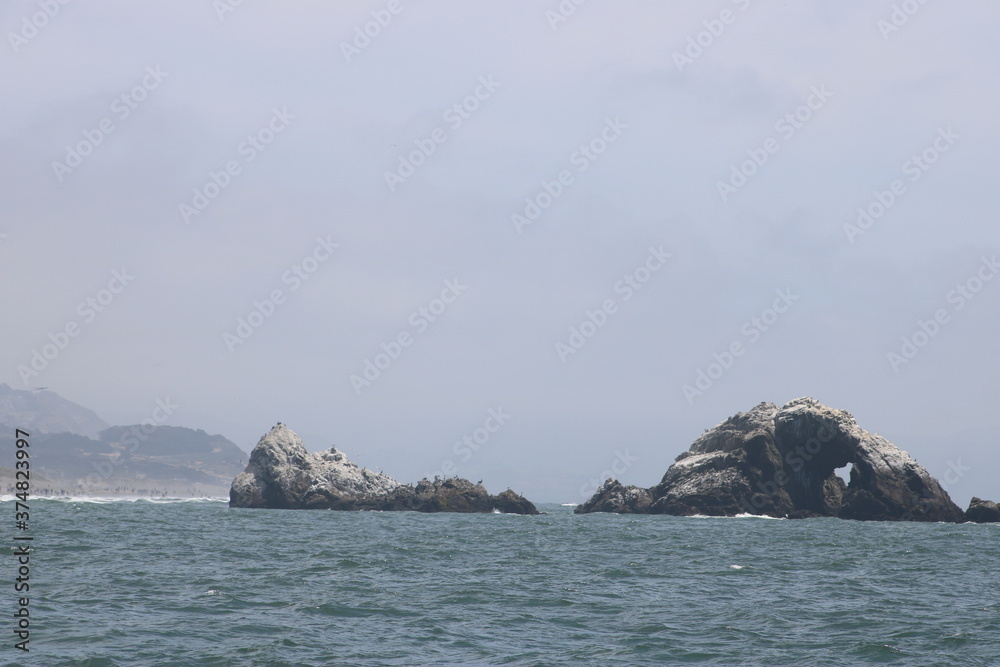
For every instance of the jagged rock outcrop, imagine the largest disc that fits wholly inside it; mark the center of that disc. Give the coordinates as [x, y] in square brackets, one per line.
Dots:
[782, 462]
[613, 496]
[509, 502]
[983, 511]
[282, 474]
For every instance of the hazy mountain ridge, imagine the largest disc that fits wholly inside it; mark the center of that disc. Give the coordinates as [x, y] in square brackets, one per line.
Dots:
[115, 459]
[45, 411]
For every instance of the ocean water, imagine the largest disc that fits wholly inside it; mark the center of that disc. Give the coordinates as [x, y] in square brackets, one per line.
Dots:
[198, 583]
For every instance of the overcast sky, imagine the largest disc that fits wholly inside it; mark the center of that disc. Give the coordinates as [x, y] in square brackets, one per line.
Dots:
[697, 168]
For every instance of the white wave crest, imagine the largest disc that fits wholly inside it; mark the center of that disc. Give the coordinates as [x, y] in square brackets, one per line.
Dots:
[104, 500]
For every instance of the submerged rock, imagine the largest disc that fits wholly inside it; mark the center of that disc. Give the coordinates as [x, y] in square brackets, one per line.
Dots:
[983, 511]
[782, 462]
[282, 474]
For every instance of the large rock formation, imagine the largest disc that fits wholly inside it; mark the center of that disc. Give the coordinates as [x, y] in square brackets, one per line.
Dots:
[983, 511]
[782, 462]
[282, 474]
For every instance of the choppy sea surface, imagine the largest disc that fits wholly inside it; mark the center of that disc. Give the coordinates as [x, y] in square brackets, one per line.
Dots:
[197, 583]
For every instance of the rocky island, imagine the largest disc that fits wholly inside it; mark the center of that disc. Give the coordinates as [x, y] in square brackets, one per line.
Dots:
[983, 511]
[781, 462]
[282, 474]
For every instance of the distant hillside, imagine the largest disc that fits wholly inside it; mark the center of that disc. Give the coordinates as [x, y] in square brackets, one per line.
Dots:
[173, 441]
[46, 412]
[74, 450]
[124, 458]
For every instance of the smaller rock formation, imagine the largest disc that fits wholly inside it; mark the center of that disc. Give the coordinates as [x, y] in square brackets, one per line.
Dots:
[454, 494]
[508, 502]
[282, 474]
[983, 511]
[615, 497]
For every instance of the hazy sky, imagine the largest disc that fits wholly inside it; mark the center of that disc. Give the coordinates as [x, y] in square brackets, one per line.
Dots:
[673, 180]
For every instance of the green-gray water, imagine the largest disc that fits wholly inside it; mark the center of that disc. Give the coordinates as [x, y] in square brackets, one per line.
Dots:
[198, 583]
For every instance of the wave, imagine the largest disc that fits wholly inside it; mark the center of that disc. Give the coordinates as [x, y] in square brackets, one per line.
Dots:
[738, 516]
[104, 500]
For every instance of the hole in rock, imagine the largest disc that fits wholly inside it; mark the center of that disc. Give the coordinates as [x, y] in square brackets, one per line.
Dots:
[844, 472]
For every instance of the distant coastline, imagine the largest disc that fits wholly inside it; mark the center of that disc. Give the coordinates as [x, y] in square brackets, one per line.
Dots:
[50, 488]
